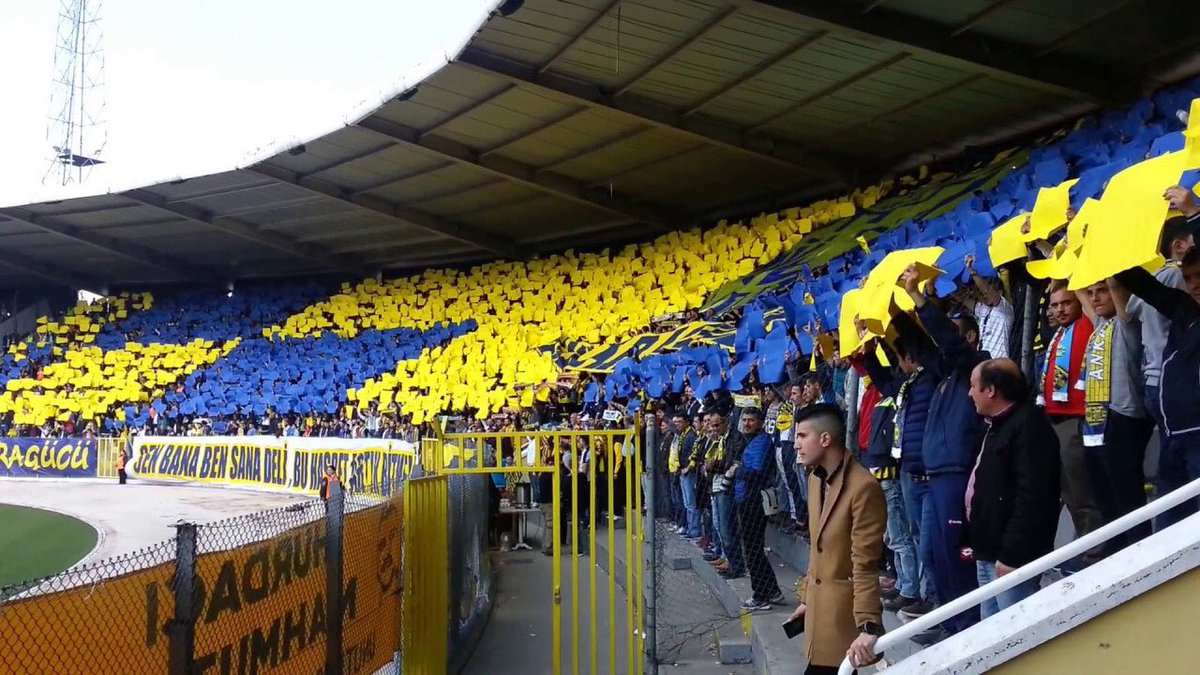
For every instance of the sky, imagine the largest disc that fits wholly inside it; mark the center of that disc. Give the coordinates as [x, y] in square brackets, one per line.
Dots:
[199, 87]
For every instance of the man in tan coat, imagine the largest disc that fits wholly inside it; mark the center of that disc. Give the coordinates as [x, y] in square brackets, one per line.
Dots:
[839, 597]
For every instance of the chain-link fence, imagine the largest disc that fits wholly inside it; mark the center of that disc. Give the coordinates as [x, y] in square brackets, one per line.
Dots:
[106, 616]
[312, 587]
[721, 483]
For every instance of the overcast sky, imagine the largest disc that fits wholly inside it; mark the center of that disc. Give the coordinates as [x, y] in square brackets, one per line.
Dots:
[197, 87]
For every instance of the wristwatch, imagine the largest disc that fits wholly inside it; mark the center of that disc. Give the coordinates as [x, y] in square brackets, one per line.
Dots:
[871, 628]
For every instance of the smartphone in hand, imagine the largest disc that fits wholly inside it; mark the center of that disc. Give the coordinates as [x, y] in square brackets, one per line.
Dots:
[793, 627]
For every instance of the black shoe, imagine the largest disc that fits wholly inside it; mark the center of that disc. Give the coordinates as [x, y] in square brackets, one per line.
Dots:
[898, 603]
[930, 637]
[915, 610]
[777, 599]
[889, 594]
[710, 557]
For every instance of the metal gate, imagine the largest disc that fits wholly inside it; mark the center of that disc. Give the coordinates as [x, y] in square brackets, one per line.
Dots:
[598, 584]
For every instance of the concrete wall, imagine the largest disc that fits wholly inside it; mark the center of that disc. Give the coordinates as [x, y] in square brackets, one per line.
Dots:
[1152, 633]
[1121, 615]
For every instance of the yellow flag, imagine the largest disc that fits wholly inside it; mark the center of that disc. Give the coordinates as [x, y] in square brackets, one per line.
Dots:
[1059, 266]
[1050, 210]
[1127, 230]
[1007, 243]
[862, 243]
[1191, 135]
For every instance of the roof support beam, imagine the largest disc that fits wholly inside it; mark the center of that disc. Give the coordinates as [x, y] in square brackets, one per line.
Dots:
[126, 249]
[973, 20]
[20, 262]
[643, 111]
[690, 40]
[520, 136]
[579, 37]
[244, 230]
[466, 111]
[1071, 78]
[594, 150]
[503, 167]
[355, 157]
[401, 178]
[400, 212]
[770, 62]
[919, 101]
[828, 91]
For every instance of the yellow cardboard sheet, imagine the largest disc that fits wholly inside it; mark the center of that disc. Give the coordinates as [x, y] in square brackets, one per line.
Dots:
[1050, 211]
[1127, 230]
[1007, 243]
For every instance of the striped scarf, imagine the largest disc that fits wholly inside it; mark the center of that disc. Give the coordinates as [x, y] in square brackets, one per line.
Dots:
[1096, 383]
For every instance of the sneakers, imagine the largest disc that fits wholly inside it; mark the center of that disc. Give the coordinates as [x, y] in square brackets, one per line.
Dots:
[753, 605]
[711, 557]
[915, 610]
[777, 599]
[898, 603]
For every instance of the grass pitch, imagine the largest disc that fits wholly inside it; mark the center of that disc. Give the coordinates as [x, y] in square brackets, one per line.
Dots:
[36, 543]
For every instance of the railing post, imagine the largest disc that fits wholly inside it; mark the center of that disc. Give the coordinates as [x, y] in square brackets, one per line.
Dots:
[852, 409]
[650, 528]
[333, 579]
[181, 632]
[1029, 324]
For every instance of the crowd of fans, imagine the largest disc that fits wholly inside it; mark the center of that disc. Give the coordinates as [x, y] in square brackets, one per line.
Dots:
[975, 459]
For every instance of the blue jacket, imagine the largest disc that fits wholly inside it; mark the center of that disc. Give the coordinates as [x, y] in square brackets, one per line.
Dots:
[913, 412]
[954, 431]
[758, 468]
[1181, 357]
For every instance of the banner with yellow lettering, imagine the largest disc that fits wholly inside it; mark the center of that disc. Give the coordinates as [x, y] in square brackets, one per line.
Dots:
[48, 458]
[259, 607]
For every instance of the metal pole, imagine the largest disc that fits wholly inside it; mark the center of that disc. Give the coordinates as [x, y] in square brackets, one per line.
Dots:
[182, 630]
[852, 410]
[1028, 326]
[333, 579]
[651, 529]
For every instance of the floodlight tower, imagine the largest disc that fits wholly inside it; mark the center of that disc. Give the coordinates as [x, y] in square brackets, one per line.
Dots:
[76, 129]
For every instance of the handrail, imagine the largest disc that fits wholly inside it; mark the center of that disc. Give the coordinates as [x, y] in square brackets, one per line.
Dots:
[1034, 569]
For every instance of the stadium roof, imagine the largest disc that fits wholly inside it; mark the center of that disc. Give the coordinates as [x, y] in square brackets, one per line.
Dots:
[569, 123]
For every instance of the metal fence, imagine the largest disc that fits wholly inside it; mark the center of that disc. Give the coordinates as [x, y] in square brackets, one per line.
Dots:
[313, 587]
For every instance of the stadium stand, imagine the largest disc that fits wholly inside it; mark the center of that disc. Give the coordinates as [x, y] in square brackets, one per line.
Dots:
[409, 344]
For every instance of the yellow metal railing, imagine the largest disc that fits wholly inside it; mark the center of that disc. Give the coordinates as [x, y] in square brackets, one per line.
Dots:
[107, 451]
[569, 455]
[425, 618]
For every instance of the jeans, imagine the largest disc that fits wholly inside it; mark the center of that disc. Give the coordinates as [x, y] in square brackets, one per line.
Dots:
[918, 504]
[752, 525]
[1180, 462]
[785, 461]
[953, 577]
[714, 514]
[678, 512]
[730, 543]
[687, 485]
[985, 571]
[1120, 481]
[899, 539]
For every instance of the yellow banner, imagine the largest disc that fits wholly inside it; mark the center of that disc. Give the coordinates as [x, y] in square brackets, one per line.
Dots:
[260, 607]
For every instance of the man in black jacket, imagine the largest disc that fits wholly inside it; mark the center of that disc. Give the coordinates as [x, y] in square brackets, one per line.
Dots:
[1178, 401]
[1013, 494]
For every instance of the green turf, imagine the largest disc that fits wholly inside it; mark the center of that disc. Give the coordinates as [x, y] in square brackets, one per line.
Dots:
[36, 543]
